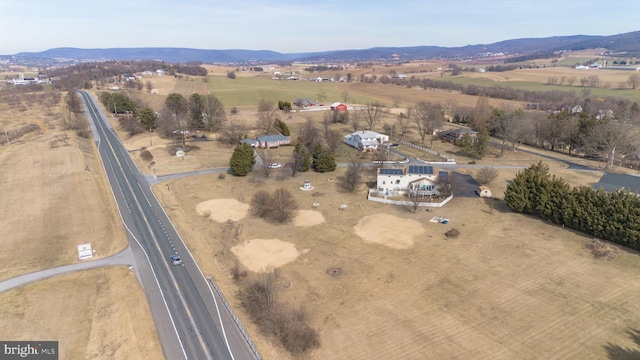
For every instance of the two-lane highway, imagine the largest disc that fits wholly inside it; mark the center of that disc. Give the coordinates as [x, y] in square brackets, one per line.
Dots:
[190, 323]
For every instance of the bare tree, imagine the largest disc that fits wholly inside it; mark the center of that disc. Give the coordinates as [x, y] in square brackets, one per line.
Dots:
[232, 133]
[481, 115]
[261, 295]
[403, 122]
[571, 80]
[354, 119]
[283, 206]
[373, 114]
[450, 106]
[634, 80]
[353, 176]
[267, 115]
[261, 204]
[427, 117]
[149, 85]
[593, 80]
[486, 175]
[415, 199]
[396, 101]
[327, 119]
[506, 125]
[611, 137]
[309, 134]
[333, 139]
[267, 159]
[215, 114]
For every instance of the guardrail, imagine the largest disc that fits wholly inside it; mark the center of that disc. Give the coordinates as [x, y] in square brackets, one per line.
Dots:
[235, 318]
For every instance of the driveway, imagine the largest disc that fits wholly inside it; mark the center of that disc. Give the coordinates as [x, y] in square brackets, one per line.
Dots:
[124, 257]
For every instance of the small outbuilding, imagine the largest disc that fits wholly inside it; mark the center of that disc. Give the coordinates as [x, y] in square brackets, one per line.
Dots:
[484, 191]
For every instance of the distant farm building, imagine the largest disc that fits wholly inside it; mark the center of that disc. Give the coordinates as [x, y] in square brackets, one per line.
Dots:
[338, 106]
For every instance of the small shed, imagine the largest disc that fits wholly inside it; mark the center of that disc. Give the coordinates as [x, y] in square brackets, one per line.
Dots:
[484, 191]
[180, 153]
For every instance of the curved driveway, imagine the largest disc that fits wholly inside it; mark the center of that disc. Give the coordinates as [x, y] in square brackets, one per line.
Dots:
[124, 257]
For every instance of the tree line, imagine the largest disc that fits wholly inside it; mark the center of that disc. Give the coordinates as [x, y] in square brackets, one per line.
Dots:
[613, 216]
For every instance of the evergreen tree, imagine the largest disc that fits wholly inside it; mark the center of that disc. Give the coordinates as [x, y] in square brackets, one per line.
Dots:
[613, 216]
[481, 144]
[282, 127]
[147, 118]
[242, 160]
[466, 145]
[196, 112]
[323, 160]
[301, 158]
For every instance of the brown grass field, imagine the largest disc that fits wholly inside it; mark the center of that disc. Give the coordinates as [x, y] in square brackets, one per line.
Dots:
[54, 198]
[509, 287]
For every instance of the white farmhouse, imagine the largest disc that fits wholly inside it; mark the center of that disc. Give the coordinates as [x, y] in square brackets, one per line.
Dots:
[365, 140]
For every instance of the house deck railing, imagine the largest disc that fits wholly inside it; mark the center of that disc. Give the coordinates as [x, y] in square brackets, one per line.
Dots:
[373, 196]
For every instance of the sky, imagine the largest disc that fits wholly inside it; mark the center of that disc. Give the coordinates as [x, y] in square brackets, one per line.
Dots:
[293, 26]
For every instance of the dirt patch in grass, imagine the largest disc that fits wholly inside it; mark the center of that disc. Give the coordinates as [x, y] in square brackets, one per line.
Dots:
[260, 254]
[385, 230]
[308, 218]
[222, 210]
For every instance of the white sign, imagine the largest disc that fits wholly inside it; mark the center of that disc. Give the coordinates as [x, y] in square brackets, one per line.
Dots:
[84, 251]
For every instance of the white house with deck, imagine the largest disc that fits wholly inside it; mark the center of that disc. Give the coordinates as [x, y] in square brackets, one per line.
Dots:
[414, 179]
[365, 140]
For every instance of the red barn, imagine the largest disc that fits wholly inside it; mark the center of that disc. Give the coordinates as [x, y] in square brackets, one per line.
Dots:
[338, 106]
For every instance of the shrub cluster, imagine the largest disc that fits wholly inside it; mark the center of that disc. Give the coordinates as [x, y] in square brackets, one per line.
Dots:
[613, 216]
[259, 297]
[280, 207]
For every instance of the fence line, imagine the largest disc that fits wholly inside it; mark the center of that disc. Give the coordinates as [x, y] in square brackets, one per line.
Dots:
[408, 203]
[427, 150]
[235, 319]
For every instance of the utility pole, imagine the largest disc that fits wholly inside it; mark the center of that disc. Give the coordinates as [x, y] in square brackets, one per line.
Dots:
[7, 135]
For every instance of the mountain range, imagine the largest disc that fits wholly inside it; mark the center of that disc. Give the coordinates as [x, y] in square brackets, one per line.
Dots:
[625, 45]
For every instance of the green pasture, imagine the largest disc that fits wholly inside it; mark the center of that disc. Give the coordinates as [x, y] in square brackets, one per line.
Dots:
[247, 91]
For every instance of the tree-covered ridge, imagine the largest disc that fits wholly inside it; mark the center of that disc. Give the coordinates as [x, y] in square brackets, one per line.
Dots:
[612, 216]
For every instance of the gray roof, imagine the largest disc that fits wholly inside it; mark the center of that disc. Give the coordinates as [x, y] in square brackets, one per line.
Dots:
[421, 169]
[269, 138]
[391, 172]
[613, 182]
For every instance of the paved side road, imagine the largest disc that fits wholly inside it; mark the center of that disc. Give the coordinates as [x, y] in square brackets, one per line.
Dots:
[124, 257]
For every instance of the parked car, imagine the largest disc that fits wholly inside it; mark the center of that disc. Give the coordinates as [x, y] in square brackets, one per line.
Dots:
[275, 166]
[175, 259]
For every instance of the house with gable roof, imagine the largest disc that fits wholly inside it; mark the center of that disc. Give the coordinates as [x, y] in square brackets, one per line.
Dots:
[365, 140]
